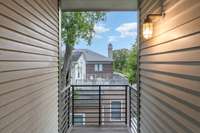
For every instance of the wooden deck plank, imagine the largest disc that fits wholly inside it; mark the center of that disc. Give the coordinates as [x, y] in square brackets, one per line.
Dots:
[100, 130]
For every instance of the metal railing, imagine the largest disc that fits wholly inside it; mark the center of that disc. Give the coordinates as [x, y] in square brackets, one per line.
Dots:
[64, 110]
[100, 82]
[100, 105]
[133, 109]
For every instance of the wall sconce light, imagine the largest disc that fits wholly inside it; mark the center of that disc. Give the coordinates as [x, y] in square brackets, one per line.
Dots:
[147, 28]
[148, 23]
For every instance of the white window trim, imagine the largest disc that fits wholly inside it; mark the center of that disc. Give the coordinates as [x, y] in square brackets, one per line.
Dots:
[100, 70]
[83, 115]
[96, 67]
[111, 109]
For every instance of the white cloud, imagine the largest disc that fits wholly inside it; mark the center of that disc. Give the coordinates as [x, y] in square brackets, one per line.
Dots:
[127, 29]
[98, 36]
[100, 29]
[112, 38]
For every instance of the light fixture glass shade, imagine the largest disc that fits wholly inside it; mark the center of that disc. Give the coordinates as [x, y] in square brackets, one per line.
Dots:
[147, 30]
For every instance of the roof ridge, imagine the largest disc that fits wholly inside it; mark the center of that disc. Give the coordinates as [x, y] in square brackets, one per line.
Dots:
[91, 55]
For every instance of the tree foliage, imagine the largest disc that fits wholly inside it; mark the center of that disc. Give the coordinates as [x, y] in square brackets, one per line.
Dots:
[125, 62]
[132, 65]
[120, 58]
[76, 26]
[79, 25]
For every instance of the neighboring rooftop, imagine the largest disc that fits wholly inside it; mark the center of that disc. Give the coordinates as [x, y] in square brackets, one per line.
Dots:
[89, 56]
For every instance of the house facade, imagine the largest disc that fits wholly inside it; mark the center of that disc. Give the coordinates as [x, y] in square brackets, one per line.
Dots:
[91, 68]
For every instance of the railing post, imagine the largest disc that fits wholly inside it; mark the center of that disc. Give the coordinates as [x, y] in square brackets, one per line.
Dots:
[126, 87]
[73, 105]
[138, 110]
[69, 95]
[99, 105]
[130, 106]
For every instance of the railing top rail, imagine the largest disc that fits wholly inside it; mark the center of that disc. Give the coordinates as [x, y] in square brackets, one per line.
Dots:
[97, 85]
[65, 88]
[104, 85]
[133, 87]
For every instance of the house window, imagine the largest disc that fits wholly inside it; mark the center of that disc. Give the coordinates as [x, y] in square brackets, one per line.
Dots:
[79, 119]
[98, 67]
[116, 110]
[79, 71]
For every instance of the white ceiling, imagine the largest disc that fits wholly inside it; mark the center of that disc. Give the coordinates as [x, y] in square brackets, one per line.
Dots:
[99, 5]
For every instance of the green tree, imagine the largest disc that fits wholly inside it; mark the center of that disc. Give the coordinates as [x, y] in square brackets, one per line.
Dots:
[125, 62]
[76, 26]
[132, 65]
[79, 25]
[120, 57]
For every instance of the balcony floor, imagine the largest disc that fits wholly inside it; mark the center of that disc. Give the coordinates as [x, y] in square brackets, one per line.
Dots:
[100, 130]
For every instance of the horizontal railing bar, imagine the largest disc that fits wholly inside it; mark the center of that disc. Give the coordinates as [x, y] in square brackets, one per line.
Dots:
[96, 108]
[133, 114]
[134, 125]
[133, 110]
[132, 88]
[104, 103]
[96, 90]
[133, 120]
[133, 94]
[94, 105]
[97, 117]
[65, 89]
[113, 121]
[64, 122]
[102, 112]
[88, 122]
[98, 94]
[98, 85]
[76, 106]
[132, 99]
[133, 105]
[98, 99]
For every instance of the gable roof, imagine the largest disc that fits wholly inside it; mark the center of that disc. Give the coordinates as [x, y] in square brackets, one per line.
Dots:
[90, 56]
[75, 55]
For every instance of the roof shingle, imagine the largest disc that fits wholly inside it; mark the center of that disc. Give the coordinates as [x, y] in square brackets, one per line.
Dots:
[90, 55]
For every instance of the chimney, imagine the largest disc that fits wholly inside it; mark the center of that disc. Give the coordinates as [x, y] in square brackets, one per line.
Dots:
[110, 50]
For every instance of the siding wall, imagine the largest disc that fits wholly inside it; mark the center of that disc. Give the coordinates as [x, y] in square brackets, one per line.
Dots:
[170, 69]
[106, 73]
[28, 66]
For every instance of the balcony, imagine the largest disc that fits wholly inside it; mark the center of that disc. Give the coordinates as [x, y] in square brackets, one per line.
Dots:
[168, 95]
[99, 109]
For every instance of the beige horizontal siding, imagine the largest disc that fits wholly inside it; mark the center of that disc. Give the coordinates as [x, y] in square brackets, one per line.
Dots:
[29, 66]
[169, 69]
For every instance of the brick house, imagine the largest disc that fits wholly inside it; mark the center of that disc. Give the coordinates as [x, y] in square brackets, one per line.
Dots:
[89, 67]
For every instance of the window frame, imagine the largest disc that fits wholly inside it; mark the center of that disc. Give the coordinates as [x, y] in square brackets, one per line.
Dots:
[97, 67]
[83, 116]
[100, 70]
[111, 119]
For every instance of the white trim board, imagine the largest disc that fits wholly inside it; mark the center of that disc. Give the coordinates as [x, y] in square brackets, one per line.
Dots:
[99, 5]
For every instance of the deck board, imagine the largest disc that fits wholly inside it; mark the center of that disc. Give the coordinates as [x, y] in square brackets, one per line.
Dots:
[100, 130]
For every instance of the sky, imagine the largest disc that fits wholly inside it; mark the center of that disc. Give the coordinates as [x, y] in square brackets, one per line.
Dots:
[119, 28]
